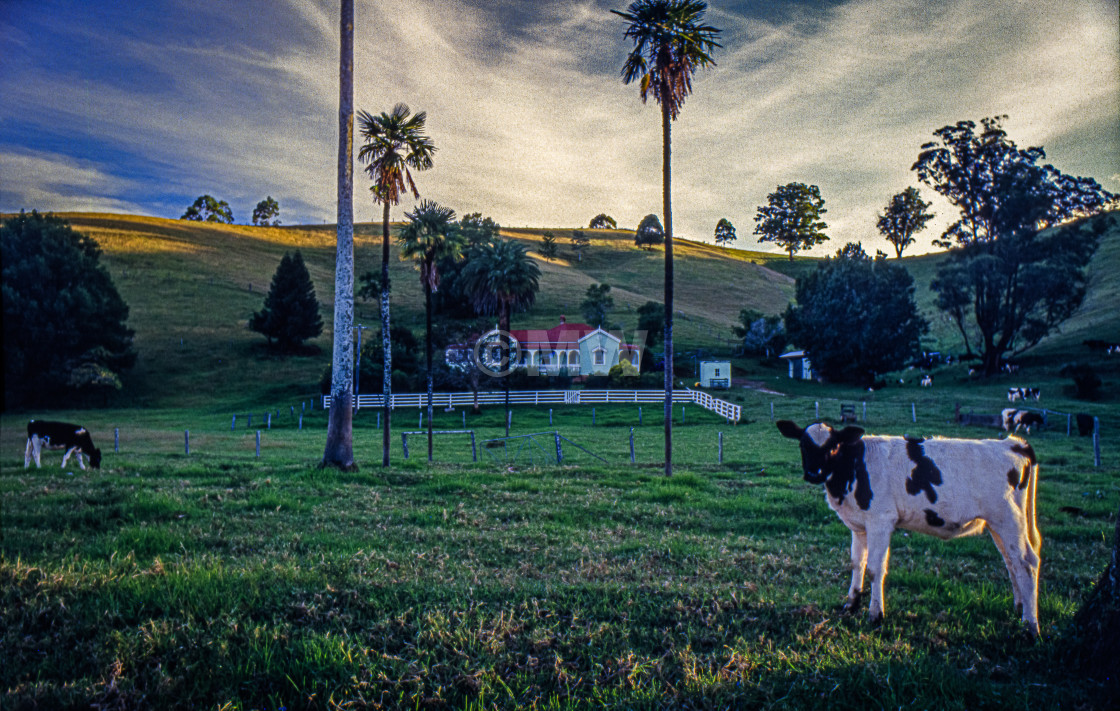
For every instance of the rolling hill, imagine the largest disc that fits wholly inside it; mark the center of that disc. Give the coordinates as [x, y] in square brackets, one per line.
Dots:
[192, 287]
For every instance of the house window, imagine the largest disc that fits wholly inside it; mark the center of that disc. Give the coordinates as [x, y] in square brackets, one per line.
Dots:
[717, 373]
[573, 359]
[600, 357]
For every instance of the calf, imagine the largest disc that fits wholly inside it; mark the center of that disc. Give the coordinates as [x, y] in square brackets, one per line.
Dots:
[60, 435]
[944, 487]
[1020, 418]
[927, 380]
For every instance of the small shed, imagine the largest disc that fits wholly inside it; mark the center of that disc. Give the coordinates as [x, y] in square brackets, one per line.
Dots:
[799, 366]
[715, 374]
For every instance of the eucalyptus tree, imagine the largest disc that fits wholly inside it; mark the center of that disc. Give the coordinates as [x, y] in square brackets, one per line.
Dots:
[792, 218]
[501, 278]
[339, 451]
[394, 143]
[725, 231]
[905, 216]
[670, 44]
[427, 238]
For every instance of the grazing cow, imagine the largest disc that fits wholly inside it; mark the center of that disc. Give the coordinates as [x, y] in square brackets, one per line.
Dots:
[1084, 424]
[927, 380]
[1014, 394]
[1020, 418]
[60, 435]
[944, 487]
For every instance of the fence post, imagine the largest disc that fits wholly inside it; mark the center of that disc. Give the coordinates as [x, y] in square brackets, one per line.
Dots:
[258, 444]
[248, 420]
[864, 411]
[592, 417]
[639, 415]
[817, 406]
[301, 421]
[721, 448]
[464, 414]
[509, 420]
[559, 452]
[233, 424]
[421, 425]
[404, 444]
[913, 413]
[270, 420]
[116, 439]
[1096, 441]
[631, 445]
[474, 451]
[187, 441]
[378, 419]
[682, 414]
[771, 412]
[1069, 420]
[550, 417]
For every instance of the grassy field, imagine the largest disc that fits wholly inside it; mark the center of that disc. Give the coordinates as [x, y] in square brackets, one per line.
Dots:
[220, 579]
[224, 580]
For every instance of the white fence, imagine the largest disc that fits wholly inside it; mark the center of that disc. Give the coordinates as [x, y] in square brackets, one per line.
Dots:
[724, 409]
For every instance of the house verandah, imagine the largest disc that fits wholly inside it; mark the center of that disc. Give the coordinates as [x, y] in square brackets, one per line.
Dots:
[575, 348]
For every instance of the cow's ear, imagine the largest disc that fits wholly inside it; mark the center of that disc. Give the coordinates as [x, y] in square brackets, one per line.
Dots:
[850, 434]
[789, 429]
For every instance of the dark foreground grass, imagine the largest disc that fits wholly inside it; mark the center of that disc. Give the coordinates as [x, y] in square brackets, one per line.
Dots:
[167, 581]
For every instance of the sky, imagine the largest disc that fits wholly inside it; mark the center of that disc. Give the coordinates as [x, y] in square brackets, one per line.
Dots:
[140, 107]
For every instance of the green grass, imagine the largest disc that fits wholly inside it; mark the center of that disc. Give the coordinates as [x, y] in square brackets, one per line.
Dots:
[222, 580]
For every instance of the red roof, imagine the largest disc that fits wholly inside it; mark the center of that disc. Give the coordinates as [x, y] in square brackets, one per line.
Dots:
[564, 335]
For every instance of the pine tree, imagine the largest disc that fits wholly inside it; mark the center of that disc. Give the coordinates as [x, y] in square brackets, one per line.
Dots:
[549, 248]
[291, 311]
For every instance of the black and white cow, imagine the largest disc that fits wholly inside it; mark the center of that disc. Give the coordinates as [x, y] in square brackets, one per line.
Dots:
[60, 435]
[1017, 419]
[1014, 394]
[944, 487]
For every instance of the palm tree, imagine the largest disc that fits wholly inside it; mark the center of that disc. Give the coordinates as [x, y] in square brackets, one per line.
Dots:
[394, 142]
[501, 279]
[669, 45]
[428, 237]
[339, 451]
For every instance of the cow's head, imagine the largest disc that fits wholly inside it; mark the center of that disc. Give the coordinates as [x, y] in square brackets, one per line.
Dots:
[821, 447]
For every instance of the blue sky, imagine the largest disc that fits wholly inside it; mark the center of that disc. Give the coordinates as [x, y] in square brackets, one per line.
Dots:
[141, 107]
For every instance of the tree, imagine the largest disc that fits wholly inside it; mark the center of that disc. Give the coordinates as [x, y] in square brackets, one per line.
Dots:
[596, 304]
[267, 212]
[761, 334]
[500, 279]
[394, 142]
[427, 238]
[209, 209]
[339, 449]
[549, 248]
[580, 242]
[725, 231]
[905, 215]
[602, 221]
[291, 311]
[64, 321]
[856, 317]
[791, 219]
[1008, 281]
[649, 233]
[670, 45]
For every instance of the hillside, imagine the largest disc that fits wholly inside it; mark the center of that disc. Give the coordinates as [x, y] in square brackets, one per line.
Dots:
[192, 286]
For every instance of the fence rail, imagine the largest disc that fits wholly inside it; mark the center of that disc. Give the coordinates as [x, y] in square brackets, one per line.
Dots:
[724, 409]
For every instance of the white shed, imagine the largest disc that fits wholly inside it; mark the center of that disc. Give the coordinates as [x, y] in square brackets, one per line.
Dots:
[799, 366]
[715, 373]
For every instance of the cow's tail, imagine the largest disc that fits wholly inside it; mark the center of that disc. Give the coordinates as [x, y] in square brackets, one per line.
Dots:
[1033, 534]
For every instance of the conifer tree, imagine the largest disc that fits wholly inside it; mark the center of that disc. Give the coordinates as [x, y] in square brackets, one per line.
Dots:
[291, 311]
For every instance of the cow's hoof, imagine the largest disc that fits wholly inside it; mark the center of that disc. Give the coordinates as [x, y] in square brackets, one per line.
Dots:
[851, 604]
[877, 620]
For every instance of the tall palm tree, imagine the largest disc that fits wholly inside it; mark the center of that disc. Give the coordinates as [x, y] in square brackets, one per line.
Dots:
[670, 43]
[428, 237]
[339, 451]
[501, 278]
[394, 142]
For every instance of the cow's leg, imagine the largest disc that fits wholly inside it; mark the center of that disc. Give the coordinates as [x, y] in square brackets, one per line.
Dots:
[1022, 564]
[67, 455]
[878, 554]
[859, 565]
[27, 453]
[37, 450]
[1017, 594]
[81, 457]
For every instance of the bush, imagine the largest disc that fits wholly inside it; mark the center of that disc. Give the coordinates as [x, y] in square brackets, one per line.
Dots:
[624, 376]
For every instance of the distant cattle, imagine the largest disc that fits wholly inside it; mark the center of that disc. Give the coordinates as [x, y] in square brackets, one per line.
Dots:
[1010, 368]
[1085, 425]
[1015, 419]
[60, 435]
[1014, 394]
[944, 487]
[927, 381]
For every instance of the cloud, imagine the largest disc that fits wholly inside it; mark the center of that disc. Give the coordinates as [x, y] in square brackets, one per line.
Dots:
[54, 182]
[532, 122]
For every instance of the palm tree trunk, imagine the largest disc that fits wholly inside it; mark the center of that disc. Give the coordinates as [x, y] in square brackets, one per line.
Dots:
[386, 341]
[428, 339]
[339, 451]
[509, 356]
[666, 173]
